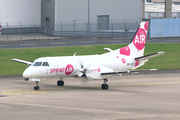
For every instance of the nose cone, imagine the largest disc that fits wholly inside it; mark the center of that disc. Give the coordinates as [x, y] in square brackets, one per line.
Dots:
[27, 73]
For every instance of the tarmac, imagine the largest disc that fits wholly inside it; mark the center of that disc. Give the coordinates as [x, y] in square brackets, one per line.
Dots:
[129, 97]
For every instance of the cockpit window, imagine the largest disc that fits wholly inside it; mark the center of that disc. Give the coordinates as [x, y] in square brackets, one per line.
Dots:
[45, 64]
[37, 64]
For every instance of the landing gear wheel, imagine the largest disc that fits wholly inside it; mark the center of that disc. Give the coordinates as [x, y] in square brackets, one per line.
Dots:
[104, 86]
[60, 83]
[36, 87]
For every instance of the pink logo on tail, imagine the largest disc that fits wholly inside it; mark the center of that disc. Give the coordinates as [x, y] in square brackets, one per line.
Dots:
[140, 39]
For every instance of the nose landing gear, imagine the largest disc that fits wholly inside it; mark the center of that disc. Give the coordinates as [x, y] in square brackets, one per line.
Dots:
[105, 86]
[36, 87]
[60, 82]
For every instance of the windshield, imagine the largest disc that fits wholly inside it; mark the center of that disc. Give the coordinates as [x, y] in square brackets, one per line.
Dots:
[45, 64]
[37, 64]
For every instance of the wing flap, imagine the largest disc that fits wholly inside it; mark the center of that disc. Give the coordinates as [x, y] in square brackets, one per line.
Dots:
[149, 56]
[22, 61]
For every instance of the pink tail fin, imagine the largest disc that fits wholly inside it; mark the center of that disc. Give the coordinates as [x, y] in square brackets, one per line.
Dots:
[137, 45]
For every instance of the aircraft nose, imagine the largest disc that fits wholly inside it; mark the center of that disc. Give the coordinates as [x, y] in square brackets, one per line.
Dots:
[27, 73]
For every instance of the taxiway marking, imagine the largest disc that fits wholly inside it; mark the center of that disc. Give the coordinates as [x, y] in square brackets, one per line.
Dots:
[87, 42]
[2, 45]
[26, 44]
[161, 83]
[172, 40]
[116, 41]
[20, 92]
[58, 43]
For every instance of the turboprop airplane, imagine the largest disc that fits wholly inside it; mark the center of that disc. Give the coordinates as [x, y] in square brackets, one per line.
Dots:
[92, 67]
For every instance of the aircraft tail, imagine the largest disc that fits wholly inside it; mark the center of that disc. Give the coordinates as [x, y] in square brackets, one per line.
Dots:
[137, 45]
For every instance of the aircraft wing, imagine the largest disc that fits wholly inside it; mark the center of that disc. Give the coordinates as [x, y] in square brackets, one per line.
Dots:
[149, 56]
[22, 61]
[131, 71]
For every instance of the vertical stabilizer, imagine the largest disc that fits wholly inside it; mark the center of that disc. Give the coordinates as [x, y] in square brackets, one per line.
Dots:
[138, 42]
[137, 45]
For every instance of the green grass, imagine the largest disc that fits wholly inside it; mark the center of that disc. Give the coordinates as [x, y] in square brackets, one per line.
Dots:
[169, 60]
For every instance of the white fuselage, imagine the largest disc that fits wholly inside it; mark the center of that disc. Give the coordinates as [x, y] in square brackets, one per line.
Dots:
[71, 65]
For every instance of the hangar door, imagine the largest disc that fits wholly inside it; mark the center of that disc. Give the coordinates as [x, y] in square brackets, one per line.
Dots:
[103, 22]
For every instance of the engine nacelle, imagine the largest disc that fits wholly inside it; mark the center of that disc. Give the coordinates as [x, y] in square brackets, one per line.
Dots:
[94, 72]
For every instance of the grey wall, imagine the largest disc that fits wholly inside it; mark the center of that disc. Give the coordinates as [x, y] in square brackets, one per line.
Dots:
[69, 10]
[15, 11]
[66, 11]
[48, 11]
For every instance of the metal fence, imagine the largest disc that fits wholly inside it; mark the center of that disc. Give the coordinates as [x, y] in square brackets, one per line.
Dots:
[159, 15]
[20, 32]
[76, 30]
[113, 29]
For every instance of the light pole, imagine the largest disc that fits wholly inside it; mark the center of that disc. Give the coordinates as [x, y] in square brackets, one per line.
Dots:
[168, 9]
[88, 18]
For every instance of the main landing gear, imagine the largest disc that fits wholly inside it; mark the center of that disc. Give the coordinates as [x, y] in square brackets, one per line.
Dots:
[60, 82]
[36, 87]
[105, 86]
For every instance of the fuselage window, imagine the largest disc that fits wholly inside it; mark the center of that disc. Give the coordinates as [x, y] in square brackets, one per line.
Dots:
[45, 64]
[37, 64]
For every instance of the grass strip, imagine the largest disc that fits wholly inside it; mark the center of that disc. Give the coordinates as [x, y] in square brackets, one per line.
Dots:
[169, 60]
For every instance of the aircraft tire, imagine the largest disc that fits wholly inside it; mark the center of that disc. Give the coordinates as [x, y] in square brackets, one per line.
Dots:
[60, 83]
[36, 87]
[104, 86]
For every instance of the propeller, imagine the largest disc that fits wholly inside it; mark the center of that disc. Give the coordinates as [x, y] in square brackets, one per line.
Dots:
[84, 80]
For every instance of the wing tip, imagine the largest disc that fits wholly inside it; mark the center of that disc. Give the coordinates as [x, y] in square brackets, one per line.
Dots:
[161, 52]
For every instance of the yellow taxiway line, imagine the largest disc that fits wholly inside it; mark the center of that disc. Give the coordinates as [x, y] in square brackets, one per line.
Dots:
[20, 92]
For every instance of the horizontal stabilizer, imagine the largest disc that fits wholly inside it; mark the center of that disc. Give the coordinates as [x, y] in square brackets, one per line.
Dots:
[22, 61]
[149, 56]
[131, 71]
[108, 49]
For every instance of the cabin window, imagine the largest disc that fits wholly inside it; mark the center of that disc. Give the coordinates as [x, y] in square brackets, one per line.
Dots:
[37, 64]
[45, 64]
